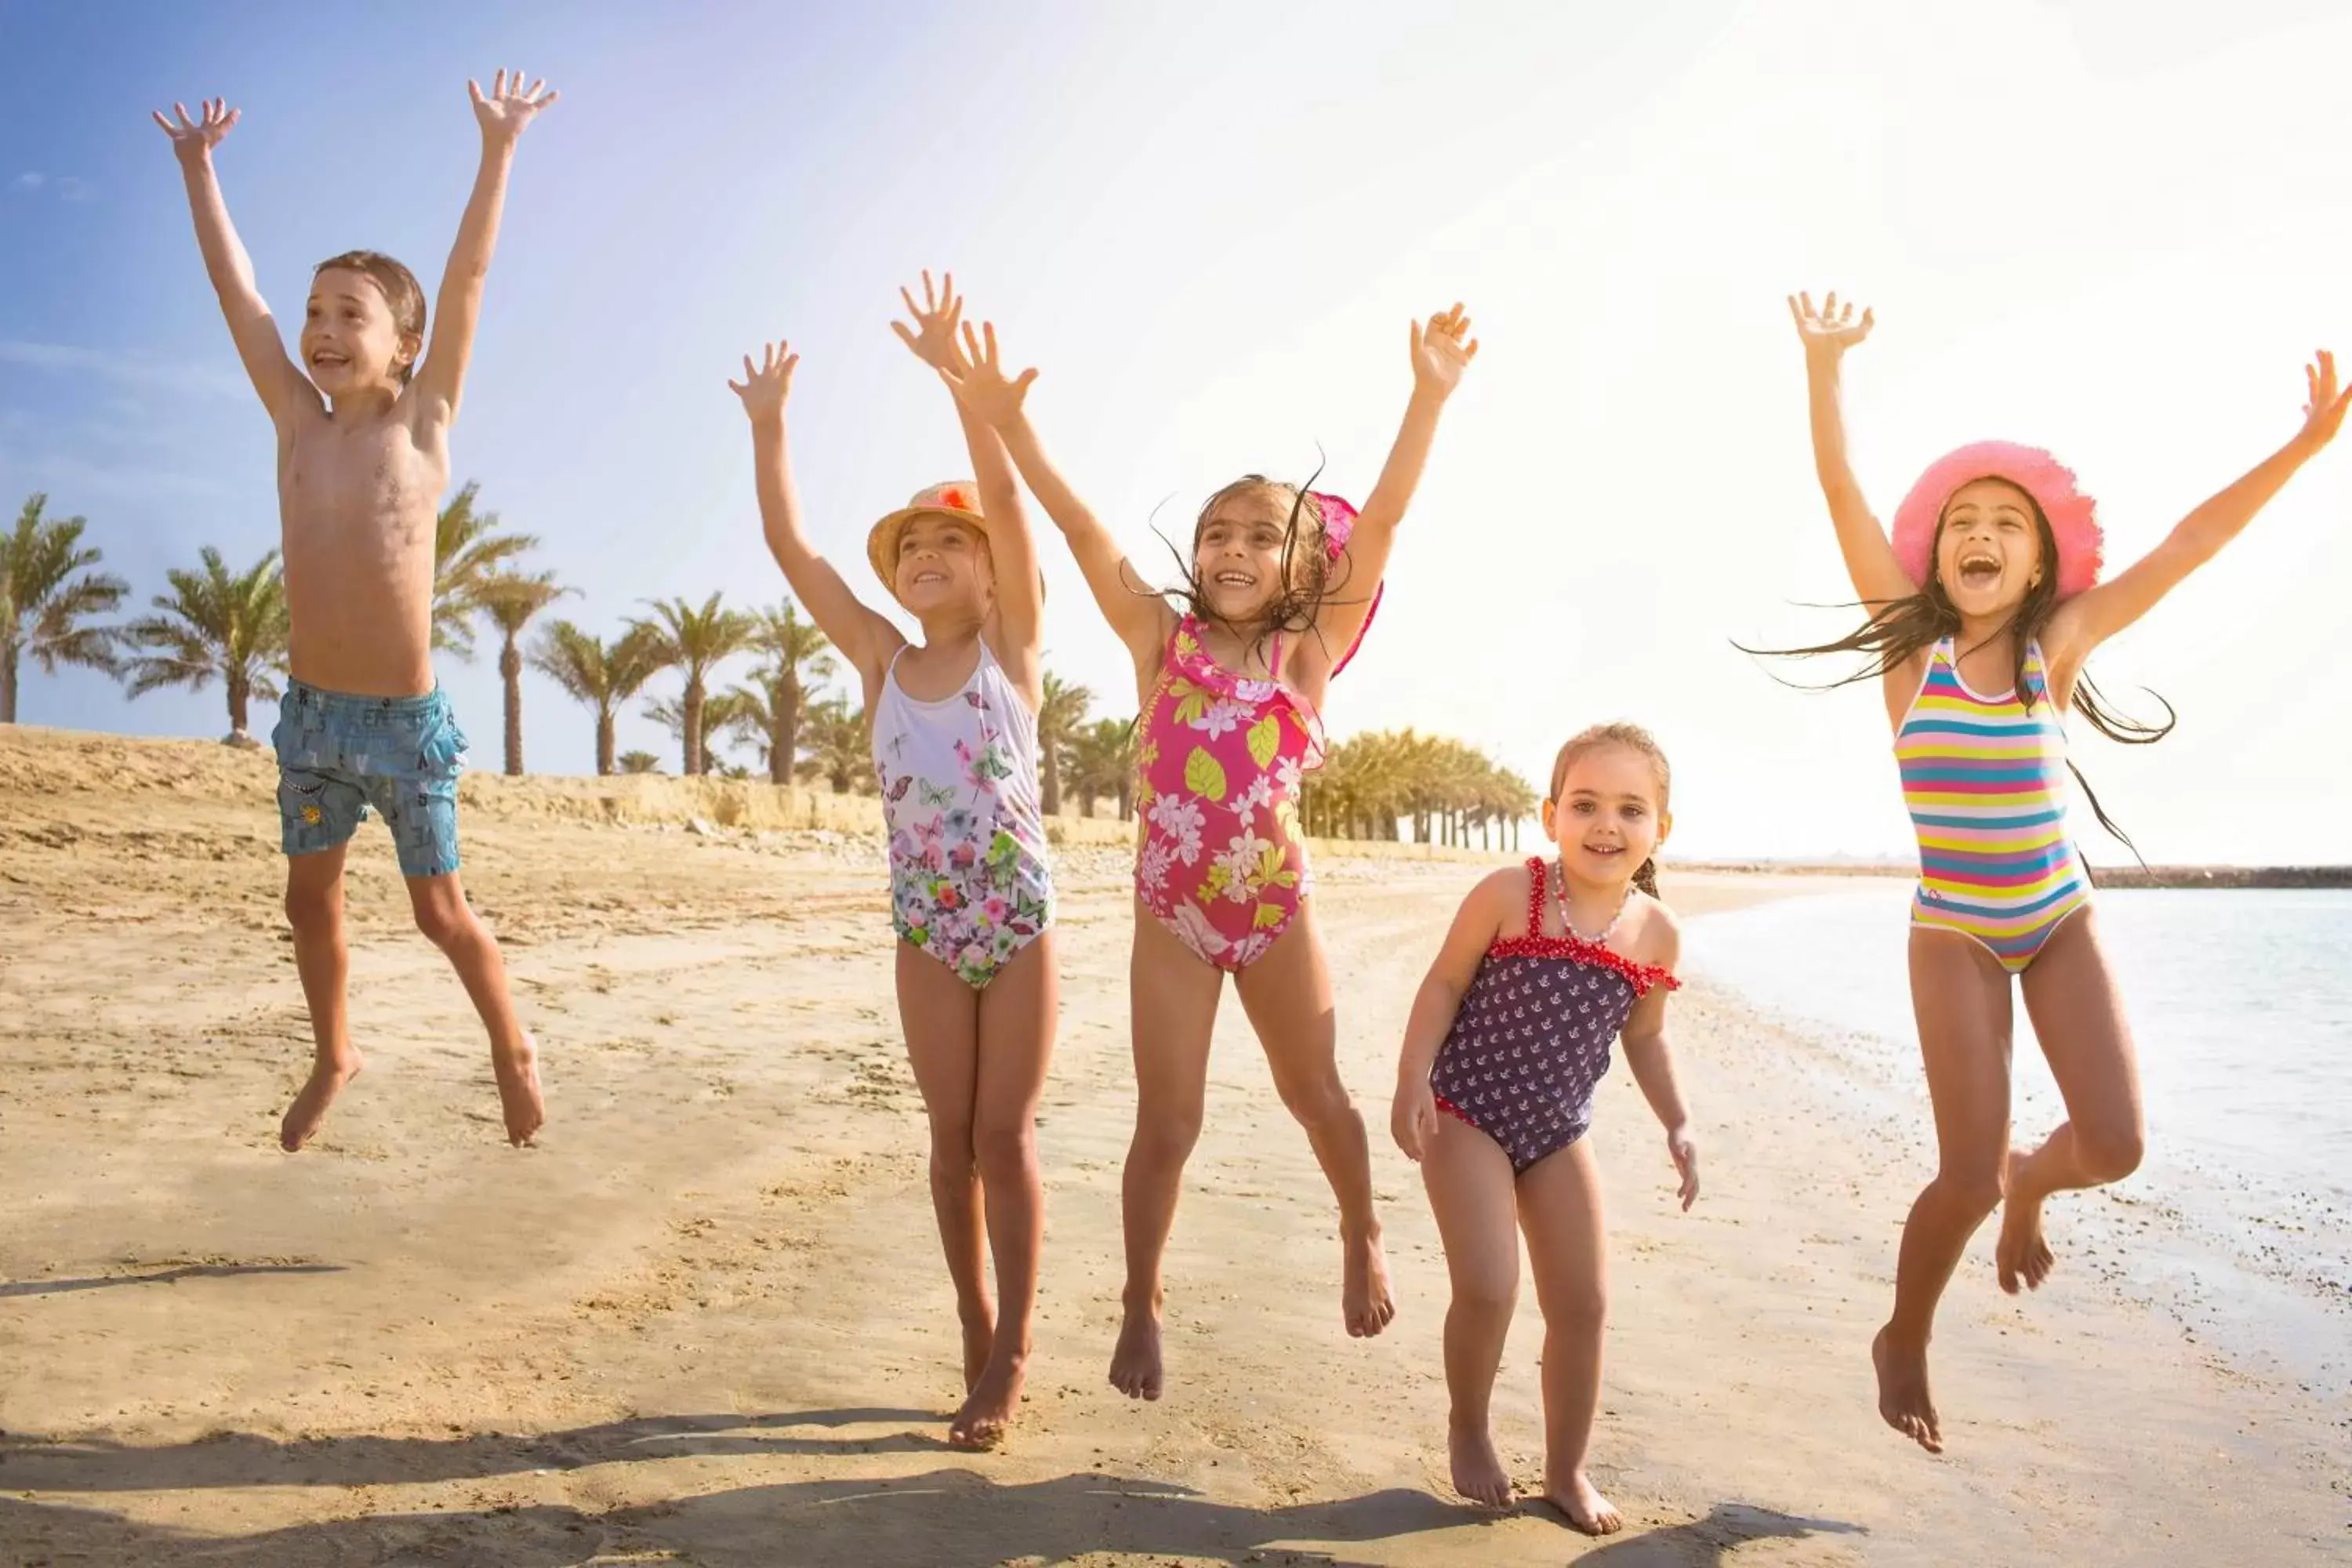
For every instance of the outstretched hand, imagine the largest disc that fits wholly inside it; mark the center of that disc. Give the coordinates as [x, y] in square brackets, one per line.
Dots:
[1684, 1154]
[933, 336]
[2323, 404]
[1442, 350]
[1832, 329]
[196, 138]
[979, 384]
[508, 108]
[765, 386]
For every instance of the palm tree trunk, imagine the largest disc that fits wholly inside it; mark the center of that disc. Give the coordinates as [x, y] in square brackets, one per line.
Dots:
[605, 743]
[1052, 800]
[1126, 801]
[8, 685]
[693, 723]
[238, 690]
[784, 746]
[510, 669]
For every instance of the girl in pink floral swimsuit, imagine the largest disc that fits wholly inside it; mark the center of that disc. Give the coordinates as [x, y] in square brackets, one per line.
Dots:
[1281, 586]
[955, 748]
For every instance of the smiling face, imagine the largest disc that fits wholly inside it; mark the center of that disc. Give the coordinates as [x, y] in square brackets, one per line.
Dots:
[352, 341]
[943, 567]
[1237, 553]
[1988, 548]
[1608, 815]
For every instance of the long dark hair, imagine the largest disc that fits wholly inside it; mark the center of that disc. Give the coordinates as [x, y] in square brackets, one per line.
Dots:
[1900, 629]
[1308, 573]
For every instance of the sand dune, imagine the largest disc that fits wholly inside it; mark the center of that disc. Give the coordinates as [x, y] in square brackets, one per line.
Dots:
[704, 1321]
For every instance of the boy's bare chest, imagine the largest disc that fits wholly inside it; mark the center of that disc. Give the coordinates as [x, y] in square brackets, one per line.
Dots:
[371, 483]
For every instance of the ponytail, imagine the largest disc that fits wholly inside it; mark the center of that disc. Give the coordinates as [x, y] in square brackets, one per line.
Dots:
[1646, 879]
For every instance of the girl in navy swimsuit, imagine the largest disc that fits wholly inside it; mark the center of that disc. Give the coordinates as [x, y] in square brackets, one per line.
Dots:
[1509, 1039]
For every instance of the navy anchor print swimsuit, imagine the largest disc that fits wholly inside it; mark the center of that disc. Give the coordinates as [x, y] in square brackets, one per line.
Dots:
[1530, 1041]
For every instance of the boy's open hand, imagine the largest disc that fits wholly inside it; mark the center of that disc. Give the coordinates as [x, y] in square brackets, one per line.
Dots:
[508, 108]
[979, 385]
[765, 386]
[1442, 350]
[933, 335]
[1830, 331]
[197, 138]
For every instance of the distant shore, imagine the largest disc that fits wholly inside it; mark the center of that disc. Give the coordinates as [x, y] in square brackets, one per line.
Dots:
[2101, 877]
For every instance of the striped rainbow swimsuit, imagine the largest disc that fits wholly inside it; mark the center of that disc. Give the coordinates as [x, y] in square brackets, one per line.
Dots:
[1985, 779]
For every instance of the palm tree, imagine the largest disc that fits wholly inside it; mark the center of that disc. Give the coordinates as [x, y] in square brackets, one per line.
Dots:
[1102, 763]
[694, 640]
[511, 599]
[603, 675]
[1058, 718]
[797, 659]
[640, 762]
[721, 711]
[468, 550]
[213, 624]
[840, 750]
[41, 599]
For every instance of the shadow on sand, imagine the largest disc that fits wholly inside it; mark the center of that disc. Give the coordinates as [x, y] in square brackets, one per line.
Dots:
[171, 1276]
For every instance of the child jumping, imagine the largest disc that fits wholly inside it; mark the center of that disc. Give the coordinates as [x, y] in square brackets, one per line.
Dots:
[1508, 1040]
[362, 459]
[1282, 583]
[1983, 607]
[955, 751]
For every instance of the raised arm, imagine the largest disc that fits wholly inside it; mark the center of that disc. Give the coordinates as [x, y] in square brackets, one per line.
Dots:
[1440, 353]
[1827, 333]
[1653, 1063]
[1412, 1115]
[503, 116]
[1141, 620]
[1020, 596]
[280, 382]
[2098, 613]
[864, 637]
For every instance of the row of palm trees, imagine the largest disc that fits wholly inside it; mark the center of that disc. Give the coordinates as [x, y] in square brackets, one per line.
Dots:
[231, 626]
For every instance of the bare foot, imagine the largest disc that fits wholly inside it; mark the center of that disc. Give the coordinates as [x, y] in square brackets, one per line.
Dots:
[309, 1107]
[517, 1073]
[2022, 1254]
[1364, 1299]
[982, 1422]
[1586, 1508]
[1134, 1369]
[1903, 1398]
[978, 1340]
[1478, 1472]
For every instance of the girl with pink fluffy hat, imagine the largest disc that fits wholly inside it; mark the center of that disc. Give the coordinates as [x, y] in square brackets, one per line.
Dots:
[1984, 605]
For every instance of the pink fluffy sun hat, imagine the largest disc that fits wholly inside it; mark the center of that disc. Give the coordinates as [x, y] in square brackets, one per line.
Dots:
[2074, 517]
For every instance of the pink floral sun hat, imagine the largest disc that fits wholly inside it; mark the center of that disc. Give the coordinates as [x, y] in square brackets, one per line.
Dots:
[2074, 517]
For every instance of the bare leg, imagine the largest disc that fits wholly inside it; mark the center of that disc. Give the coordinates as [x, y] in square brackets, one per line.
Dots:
[1468, 1178]
[941, 1016]
[448, 921]
[1287, 994]
[1559, 1208]
[2079, 1019]
[314, 908]
[1961, 996]
[1172, 1000]
[1017, 1015]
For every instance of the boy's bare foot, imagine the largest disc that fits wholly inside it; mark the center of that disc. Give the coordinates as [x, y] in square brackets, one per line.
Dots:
[1135, 1368]
[517, 1073]
[1903, 1398]
[982, 1422]
[309, 1107]
[1587, 1510]
[2022, 1254]
[1478, 1472]
[978, 1340]
[1364, 1299]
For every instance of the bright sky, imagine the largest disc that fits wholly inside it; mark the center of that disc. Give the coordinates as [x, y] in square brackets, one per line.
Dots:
[2116, 229]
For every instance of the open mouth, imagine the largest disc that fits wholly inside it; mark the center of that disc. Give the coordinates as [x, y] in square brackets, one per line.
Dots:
[1232, 579]
[328, 359]
[1980, 569]
[1604, 851]
[929, 579]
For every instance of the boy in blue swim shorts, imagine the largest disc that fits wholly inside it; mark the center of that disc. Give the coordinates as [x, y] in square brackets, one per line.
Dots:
[362, 423]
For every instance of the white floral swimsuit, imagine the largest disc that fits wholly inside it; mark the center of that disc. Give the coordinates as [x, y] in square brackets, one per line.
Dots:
[969, 881]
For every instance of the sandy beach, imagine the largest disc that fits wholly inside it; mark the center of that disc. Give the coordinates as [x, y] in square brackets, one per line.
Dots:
[705, 1322]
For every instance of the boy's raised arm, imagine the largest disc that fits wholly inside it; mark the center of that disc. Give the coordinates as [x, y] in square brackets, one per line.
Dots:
[278, 379]
[503, 116]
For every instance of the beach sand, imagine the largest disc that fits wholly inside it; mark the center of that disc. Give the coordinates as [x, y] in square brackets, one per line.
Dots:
[705, 1321]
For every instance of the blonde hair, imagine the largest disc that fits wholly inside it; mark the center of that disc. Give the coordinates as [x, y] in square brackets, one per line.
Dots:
[1626, 737]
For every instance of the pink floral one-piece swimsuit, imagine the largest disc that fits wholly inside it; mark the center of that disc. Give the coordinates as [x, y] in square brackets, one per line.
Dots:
[1222, 862]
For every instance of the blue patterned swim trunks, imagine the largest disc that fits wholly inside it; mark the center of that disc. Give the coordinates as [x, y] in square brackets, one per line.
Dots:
[339, 756]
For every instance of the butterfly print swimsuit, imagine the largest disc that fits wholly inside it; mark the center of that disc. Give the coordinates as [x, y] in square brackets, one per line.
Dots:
[1530, 1041]
[969, 881]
